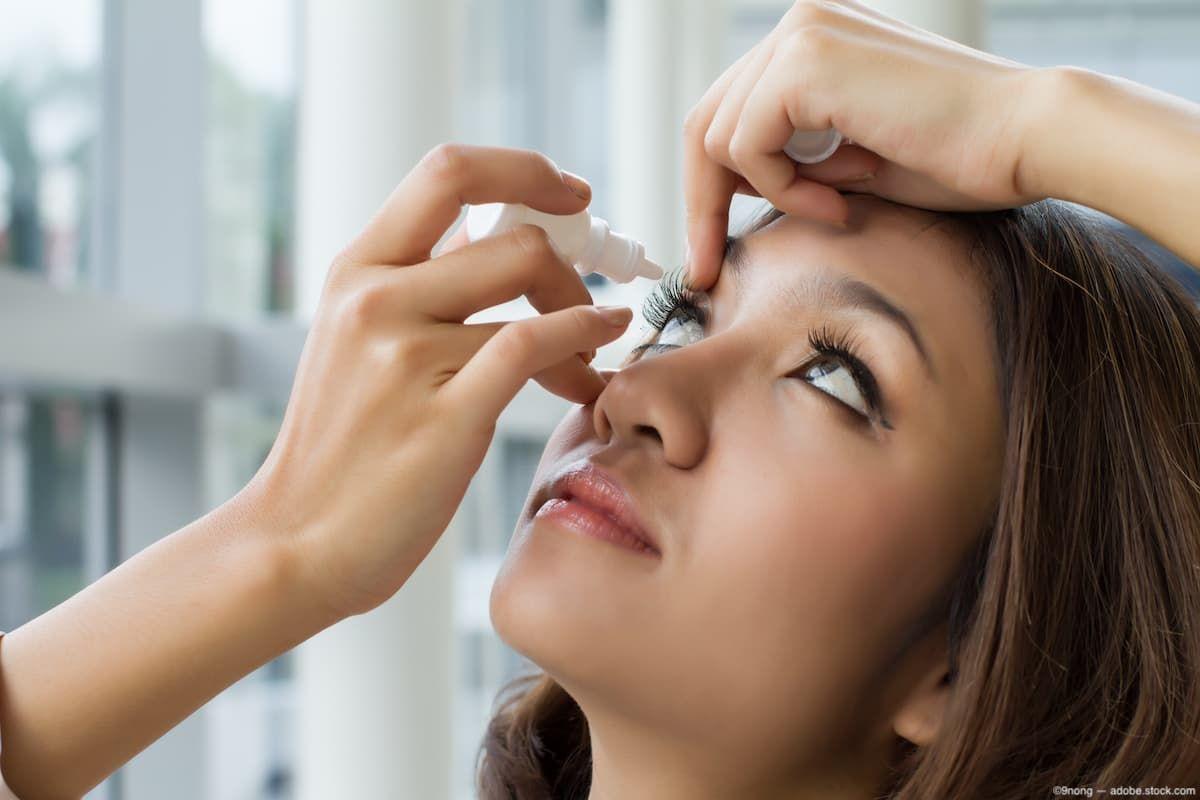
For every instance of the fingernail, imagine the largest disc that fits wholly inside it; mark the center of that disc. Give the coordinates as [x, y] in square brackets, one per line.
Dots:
[617, 316]
[589, 356]
[578, 186]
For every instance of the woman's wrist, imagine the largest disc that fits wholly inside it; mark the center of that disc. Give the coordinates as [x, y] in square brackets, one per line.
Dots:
[284, 570]
[1117, 146]
[1057, 99]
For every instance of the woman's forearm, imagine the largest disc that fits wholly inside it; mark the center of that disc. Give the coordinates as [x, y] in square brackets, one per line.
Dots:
[1119, 147]
[92, 682]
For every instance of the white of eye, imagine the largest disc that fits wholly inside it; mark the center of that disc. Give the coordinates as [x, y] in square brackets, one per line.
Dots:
[675, 325]
[835, 379]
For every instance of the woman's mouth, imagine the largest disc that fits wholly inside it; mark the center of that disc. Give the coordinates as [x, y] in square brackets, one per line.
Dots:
[590, 502]
[582, 518]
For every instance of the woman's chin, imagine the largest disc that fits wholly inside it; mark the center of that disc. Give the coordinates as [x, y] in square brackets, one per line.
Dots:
[569, 602]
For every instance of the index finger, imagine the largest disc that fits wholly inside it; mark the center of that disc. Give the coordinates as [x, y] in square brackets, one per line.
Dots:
[708, 186]
[428, 200]
[708, 190]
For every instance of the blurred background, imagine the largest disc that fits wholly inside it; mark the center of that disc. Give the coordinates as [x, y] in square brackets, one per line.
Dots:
[174, 179]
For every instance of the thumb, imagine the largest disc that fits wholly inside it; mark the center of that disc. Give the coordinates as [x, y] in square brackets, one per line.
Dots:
[521, 349]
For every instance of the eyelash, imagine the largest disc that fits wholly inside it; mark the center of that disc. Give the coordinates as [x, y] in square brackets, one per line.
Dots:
[670, 297]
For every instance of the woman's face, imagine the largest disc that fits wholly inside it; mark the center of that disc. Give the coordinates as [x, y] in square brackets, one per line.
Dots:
[801, 541]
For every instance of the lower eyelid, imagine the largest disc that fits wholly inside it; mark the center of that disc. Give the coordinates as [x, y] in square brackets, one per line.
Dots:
[653, 347]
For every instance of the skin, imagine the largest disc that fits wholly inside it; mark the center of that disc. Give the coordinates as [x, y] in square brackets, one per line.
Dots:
[333, 523]
[767, 652]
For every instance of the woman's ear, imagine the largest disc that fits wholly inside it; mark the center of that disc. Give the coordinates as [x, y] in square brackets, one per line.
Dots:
[919, 717]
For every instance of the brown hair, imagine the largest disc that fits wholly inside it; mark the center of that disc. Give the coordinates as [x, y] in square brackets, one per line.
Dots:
[1075, 627]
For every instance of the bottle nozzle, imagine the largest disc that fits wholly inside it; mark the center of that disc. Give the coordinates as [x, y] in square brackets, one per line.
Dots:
[637, 265]
[648, 269]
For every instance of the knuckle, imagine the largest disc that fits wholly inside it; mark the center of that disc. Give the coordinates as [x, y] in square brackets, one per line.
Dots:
[449, 162]
[583, 321]
[1064, 81]
[715, 145]
[809, 43]
[409, 350]
[515, 342]
[739, 151]
[793, 47]
[534, 243]
[342, 262]
[340, 278]
[811, 13]
[694, 124]
[820, 43]
[807, 55]
[362, 307]
[542, 163]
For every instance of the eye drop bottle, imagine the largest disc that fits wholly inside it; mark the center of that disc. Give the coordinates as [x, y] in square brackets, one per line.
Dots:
[809, 147]
[584, 240]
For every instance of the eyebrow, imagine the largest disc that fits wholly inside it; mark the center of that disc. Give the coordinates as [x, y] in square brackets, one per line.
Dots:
[839, 292]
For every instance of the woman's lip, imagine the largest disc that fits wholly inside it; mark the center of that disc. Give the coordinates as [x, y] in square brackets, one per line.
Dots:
[599, 490]
[573, 513]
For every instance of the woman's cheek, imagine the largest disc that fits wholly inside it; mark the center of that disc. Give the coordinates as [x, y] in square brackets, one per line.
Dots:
[782, 534]
[808, 550]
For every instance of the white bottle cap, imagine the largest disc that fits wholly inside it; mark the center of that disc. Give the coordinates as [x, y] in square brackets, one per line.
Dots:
[809, 147]
[614, 256]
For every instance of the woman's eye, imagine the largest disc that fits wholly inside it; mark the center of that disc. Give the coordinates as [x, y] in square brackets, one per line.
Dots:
[686, 328]
[835, 379]
[680, 329]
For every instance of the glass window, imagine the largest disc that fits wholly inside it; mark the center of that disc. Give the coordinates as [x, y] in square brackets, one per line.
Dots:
[249, 186]
[534, 76]
[49, 115]
[250, 725]
[52, 536]
[471, 661]
[250, 154]
[520, 457]
[1152, 42]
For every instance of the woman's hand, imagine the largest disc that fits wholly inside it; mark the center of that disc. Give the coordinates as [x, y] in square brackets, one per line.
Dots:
[396, 399]
[936, 124]
[394, 403]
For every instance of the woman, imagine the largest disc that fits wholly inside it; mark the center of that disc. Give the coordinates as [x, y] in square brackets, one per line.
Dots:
[851, 592]
[912, 497]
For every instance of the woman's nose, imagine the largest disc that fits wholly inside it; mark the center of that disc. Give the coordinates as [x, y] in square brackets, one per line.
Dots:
[654, 405]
